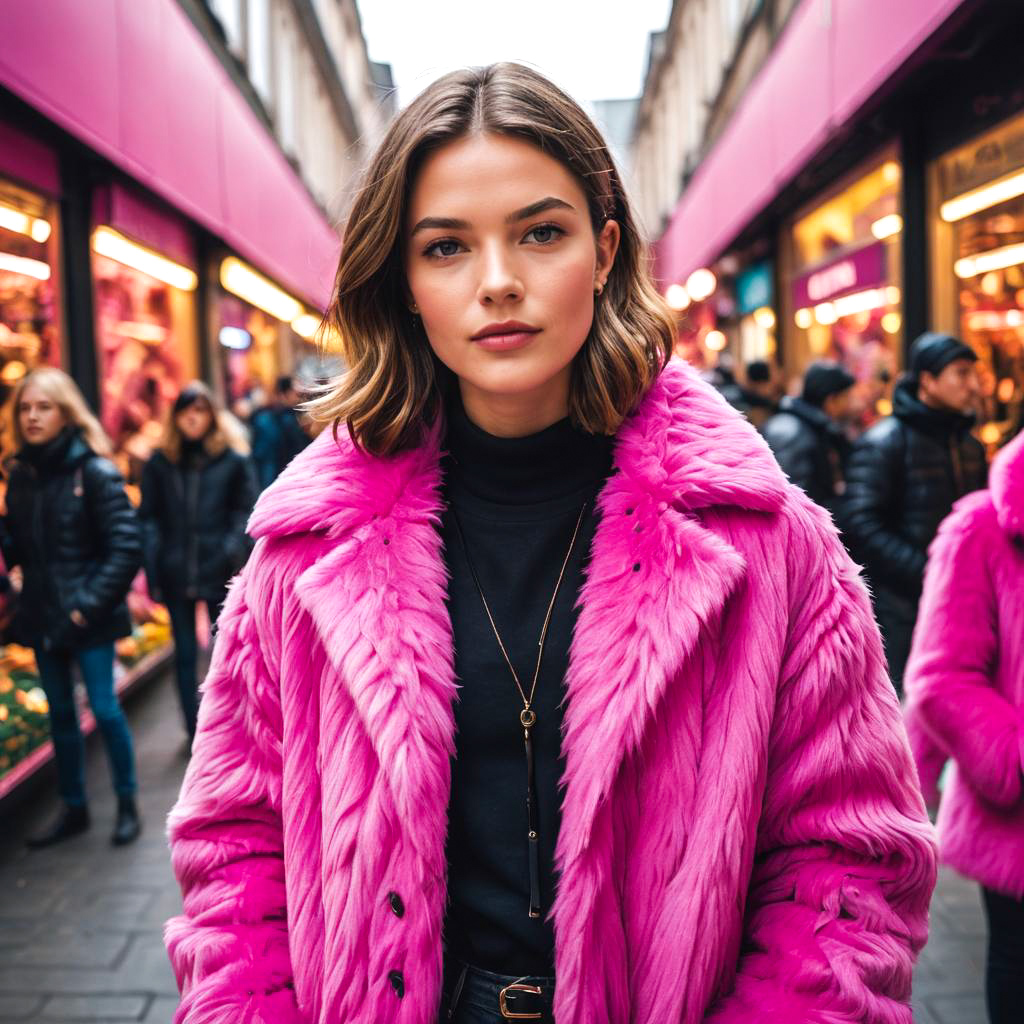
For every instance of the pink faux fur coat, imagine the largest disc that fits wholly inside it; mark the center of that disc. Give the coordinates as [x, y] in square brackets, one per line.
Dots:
[743, 837]
[965, 678]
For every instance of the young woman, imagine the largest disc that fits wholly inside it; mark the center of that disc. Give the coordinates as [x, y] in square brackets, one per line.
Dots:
[198, 490]
[543, 695]
[965, 701]
[71, 528]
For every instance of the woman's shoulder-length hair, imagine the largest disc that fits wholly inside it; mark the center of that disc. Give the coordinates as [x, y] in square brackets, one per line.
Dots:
[393, 386]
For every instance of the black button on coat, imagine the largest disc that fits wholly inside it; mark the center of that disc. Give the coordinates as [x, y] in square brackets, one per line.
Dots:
[194, 513]
[75, 534]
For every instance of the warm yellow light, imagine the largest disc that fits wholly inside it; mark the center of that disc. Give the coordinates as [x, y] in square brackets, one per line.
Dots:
[676, 297]
[887, 226]
[825, 313]
[114, 246]
[40, 230]
[804, 318]
[701, 284]
[241, 280]
[22, 223]
[764, 317]
[13, 371]
[982, 198]
[24, 266]
[991, 283]
[891, 323]
[715, 341]
[305, 325]
[859, 302]
[990, 433]
[1006, 389]
[995, 259]
[883, 407]
[891, 172]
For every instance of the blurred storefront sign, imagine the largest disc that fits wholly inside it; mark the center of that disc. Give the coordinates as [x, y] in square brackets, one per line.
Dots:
[755, 288]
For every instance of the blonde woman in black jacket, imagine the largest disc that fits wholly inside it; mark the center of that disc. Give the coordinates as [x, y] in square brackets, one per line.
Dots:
[73, 532]
[197, 492]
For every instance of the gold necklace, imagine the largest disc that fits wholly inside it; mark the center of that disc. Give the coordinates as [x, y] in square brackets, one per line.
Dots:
[527, 717]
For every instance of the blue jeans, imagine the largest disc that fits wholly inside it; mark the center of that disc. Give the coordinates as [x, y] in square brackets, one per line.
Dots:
[186, 652]
[97, 667]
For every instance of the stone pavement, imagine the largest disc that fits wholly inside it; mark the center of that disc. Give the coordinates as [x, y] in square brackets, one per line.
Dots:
[80, 924]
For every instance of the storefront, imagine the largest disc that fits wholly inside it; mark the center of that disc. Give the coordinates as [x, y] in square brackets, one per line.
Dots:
[843, 264]
[977, 221]
[754, 291]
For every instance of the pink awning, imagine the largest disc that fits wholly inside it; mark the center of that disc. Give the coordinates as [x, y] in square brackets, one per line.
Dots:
[831, 58]
[138, 83]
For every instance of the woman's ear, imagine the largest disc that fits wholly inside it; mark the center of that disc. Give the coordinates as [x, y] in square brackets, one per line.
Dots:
[607, 247]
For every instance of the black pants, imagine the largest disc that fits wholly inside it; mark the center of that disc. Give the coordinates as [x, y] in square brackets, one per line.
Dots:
[1004, 979]
[186, 652]
[474, 996]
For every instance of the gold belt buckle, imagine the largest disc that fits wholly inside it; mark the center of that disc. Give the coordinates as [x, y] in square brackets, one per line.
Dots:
[509, 1014]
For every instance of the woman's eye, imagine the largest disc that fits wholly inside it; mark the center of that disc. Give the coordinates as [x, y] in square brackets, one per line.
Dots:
[544, 234]
[443, 247]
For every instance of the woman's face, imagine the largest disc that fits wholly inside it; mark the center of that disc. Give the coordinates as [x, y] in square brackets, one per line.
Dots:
[39, 417]
[194, 421]
[502, 264]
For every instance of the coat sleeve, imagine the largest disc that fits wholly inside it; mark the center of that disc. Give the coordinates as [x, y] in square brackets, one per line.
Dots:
[117, 525]
[837, 904]
[149, 523]
[949, 678]
[229, 947]
[864, 515]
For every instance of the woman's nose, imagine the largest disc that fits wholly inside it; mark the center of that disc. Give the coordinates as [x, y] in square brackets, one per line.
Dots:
[499, 281]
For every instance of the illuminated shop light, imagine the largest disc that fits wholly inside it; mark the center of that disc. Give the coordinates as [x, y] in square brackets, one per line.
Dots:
[995, 319]
[883, 407]
[715, 341]
[305, 325]
[990, 433]
[22, 223]
[236, 338]
[891, 172]
[892, 295]
[887, 226]
[982, 198]
[804, 318]
[995, 259]
[701, 284]
[991, 283]
[825, 313]
[24, 266]
[13, 371]
[676, 296]
[114, 246]
[860, 302]
[1006, 390]
[891, 323]
[241, 280]
[764, 317]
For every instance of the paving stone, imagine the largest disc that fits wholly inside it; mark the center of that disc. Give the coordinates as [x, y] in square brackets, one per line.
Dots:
[95, 1007]
[964, 1009]
[19, 1007]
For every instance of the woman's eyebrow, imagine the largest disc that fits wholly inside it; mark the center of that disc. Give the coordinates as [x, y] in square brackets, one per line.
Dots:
[455, 224]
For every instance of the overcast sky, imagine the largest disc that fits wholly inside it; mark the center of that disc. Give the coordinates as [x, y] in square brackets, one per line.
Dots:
[595, 49]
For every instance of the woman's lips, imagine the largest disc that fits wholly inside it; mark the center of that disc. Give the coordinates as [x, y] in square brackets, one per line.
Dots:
[506, 341]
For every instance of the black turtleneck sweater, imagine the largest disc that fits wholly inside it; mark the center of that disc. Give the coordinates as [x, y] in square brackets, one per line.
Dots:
[518, 500]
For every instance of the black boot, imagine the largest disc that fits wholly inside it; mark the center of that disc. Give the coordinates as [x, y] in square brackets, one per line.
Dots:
[72, 821]
[128, 824]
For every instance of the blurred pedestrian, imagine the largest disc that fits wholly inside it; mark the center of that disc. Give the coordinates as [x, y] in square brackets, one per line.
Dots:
[519, 473]
[965, 701]
[197, 492]
[71, 528]
[277, 432]
[807, 435]
[760, 392]
[904, 475]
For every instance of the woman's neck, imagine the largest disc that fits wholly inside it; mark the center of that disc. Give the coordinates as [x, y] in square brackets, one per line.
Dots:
[517, 415]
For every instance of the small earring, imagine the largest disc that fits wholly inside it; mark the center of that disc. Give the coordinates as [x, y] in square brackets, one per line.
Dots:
[414, 309]
[599, 287]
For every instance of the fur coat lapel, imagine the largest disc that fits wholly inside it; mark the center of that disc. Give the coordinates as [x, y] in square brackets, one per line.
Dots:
[657, 576]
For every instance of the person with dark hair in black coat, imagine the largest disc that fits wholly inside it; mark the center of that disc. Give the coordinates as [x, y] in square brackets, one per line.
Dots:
[903, 477]
[806, 434]
[71, 529]
[197, 492]
[277, 433]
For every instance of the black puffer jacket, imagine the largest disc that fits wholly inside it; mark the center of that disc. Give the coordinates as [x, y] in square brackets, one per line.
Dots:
[194, 513]
[73, 531]
[902, 479]
[810, 447]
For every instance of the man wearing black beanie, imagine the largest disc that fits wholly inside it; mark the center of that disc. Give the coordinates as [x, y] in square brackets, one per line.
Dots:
[904, 476]
[806, 434]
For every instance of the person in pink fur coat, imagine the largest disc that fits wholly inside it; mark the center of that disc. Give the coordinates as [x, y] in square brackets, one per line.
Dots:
[543, 695]
[965, 702]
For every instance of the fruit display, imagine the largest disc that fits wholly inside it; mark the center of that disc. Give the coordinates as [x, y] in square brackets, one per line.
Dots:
[24, 713]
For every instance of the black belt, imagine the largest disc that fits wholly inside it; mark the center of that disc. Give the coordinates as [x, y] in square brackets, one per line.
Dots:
[504, 995]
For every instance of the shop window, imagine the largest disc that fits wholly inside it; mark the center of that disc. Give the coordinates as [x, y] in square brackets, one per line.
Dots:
[978, 224]
[844, 295]
[29, 297]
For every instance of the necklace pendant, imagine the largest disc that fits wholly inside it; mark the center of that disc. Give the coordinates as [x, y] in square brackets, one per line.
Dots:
[528, 718]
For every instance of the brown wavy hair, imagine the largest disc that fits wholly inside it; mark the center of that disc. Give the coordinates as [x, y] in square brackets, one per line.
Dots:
[394, 384]
[225, 431]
